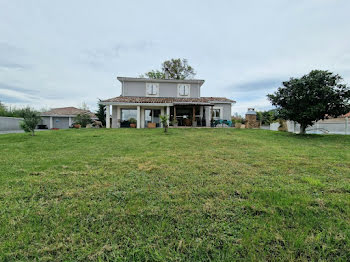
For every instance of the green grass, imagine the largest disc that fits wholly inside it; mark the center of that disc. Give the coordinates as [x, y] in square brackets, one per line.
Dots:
[190, 195]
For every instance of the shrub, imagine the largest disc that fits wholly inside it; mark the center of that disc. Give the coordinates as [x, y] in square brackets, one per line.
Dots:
[132, 120]
[30, 120]
[83, 119]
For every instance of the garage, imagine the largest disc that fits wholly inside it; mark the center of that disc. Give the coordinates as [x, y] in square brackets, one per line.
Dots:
[62, 118]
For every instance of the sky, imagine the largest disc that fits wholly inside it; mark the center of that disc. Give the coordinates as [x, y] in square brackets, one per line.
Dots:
[62, 53]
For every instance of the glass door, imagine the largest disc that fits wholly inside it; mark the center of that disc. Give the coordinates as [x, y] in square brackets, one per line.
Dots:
[152, 118]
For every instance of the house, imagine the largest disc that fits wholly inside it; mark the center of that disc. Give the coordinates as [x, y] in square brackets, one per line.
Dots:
[62, 117]
[145, 99]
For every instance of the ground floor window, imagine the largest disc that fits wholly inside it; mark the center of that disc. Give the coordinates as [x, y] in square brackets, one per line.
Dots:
[152, 118]
[128, 116]
[216, 113]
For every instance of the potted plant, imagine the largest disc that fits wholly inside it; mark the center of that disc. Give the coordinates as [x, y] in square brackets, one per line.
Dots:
[77, 126]
[132, 122]
[174, 122]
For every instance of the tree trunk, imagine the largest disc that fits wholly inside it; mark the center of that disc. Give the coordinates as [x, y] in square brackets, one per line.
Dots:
[165, 128]
[302, 129]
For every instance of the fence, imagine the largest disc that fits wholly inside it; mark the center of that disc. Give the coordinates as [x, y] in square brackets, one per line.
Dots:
[339, 126]
[9, 123]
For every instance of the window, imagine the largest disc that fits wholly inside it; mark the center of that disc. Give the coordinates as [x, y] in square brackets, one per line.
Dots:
[152, 89]
[184, 89]
[216, 113]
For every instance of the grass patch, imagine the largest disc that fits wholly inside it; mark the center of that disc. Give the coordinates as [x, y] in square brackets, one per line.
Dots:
[190, 195]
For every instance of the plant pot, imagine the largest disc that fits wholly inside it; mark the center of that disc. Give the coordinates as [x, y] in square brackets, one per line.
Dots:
[77, 126]
[151, 125]
[133, 125]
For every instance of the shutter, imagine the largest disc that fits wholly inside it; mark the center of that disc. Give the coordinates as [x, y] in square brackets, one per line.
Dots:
[156, 89]
[186, 87]
[149, 89]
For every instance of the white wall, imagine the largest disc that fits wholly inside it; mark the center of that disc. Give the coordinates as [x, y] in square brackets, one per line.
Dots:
[331, 126]
[9, 123]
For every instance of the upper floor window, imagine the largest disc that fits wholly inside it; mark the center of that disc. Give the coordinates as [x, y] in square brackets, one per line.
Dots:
[183, 90]
[152, 89]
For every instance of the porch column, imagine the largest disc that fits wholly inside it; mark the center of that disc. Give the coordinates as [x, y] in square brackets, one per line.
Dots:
[69, 121]
[193, 115]
[142, 118]
[138, 117]
[168, 114]
[51, 123]
[207, 116]
[108, 116]
[115, 116]
[201, 114]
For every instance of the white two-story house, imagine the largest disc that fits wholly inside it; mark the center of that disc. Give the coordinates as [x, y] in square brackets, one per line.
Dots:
[145, 99]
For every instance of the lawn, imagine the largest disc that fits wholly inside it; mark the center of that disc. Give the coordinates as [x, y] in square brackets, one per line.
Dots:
[190, 195]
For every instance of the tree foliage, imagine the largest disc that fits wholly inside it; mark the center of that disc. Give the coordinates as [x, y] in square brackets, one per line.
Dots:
[267, 117]
[101, 113]
[31, 119]
[12, 111]
[164, 119]
[173, 69]
[311, 98]
[83, 119]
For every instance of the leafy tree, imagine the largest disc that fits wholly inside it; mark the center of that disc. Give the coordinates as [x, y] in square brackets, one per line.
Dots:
[83, 119]
[173, 69]
[164, 119]
[30, 120]
[267, 117]
[101, 113]
[3, 109]
[311, 98]
[155, 74]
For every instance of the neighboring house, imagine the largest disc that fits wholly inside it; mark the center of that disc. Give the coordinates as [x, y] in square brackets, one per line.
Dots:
[62, 117]
[146, 99]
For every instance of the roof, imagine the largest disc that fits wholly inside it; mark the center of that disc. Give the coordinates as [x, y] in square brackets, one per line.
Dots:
[167, 100]
[66, 111]
[140, 79]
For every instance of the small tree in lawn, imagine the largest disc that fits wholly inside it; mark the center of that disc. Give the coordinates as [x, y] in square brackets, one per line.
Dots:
[101, 113]
[83, 119]
[312, 98]
[164, 119]
[30, 120]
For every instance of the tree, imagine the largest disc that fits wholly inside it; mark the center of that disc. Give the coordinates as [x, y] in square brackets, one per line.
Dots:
[101, 113]
[164, 119]
[173, 69]
[83, 119]
[3, 109]
[267, 117]
[30, 120]
[155, 74]
[311, 98]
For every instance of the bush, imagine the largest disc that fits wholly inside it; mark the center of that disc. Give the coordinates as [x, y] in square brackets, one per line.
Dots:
[83, 119]
[30, 120]
[132, 120]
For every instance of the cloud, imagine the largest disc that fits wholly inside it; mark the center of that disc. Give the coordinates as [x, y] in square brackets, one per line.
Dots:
[12, 99]
[18, 89]
[243, 49]
[256, 85]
